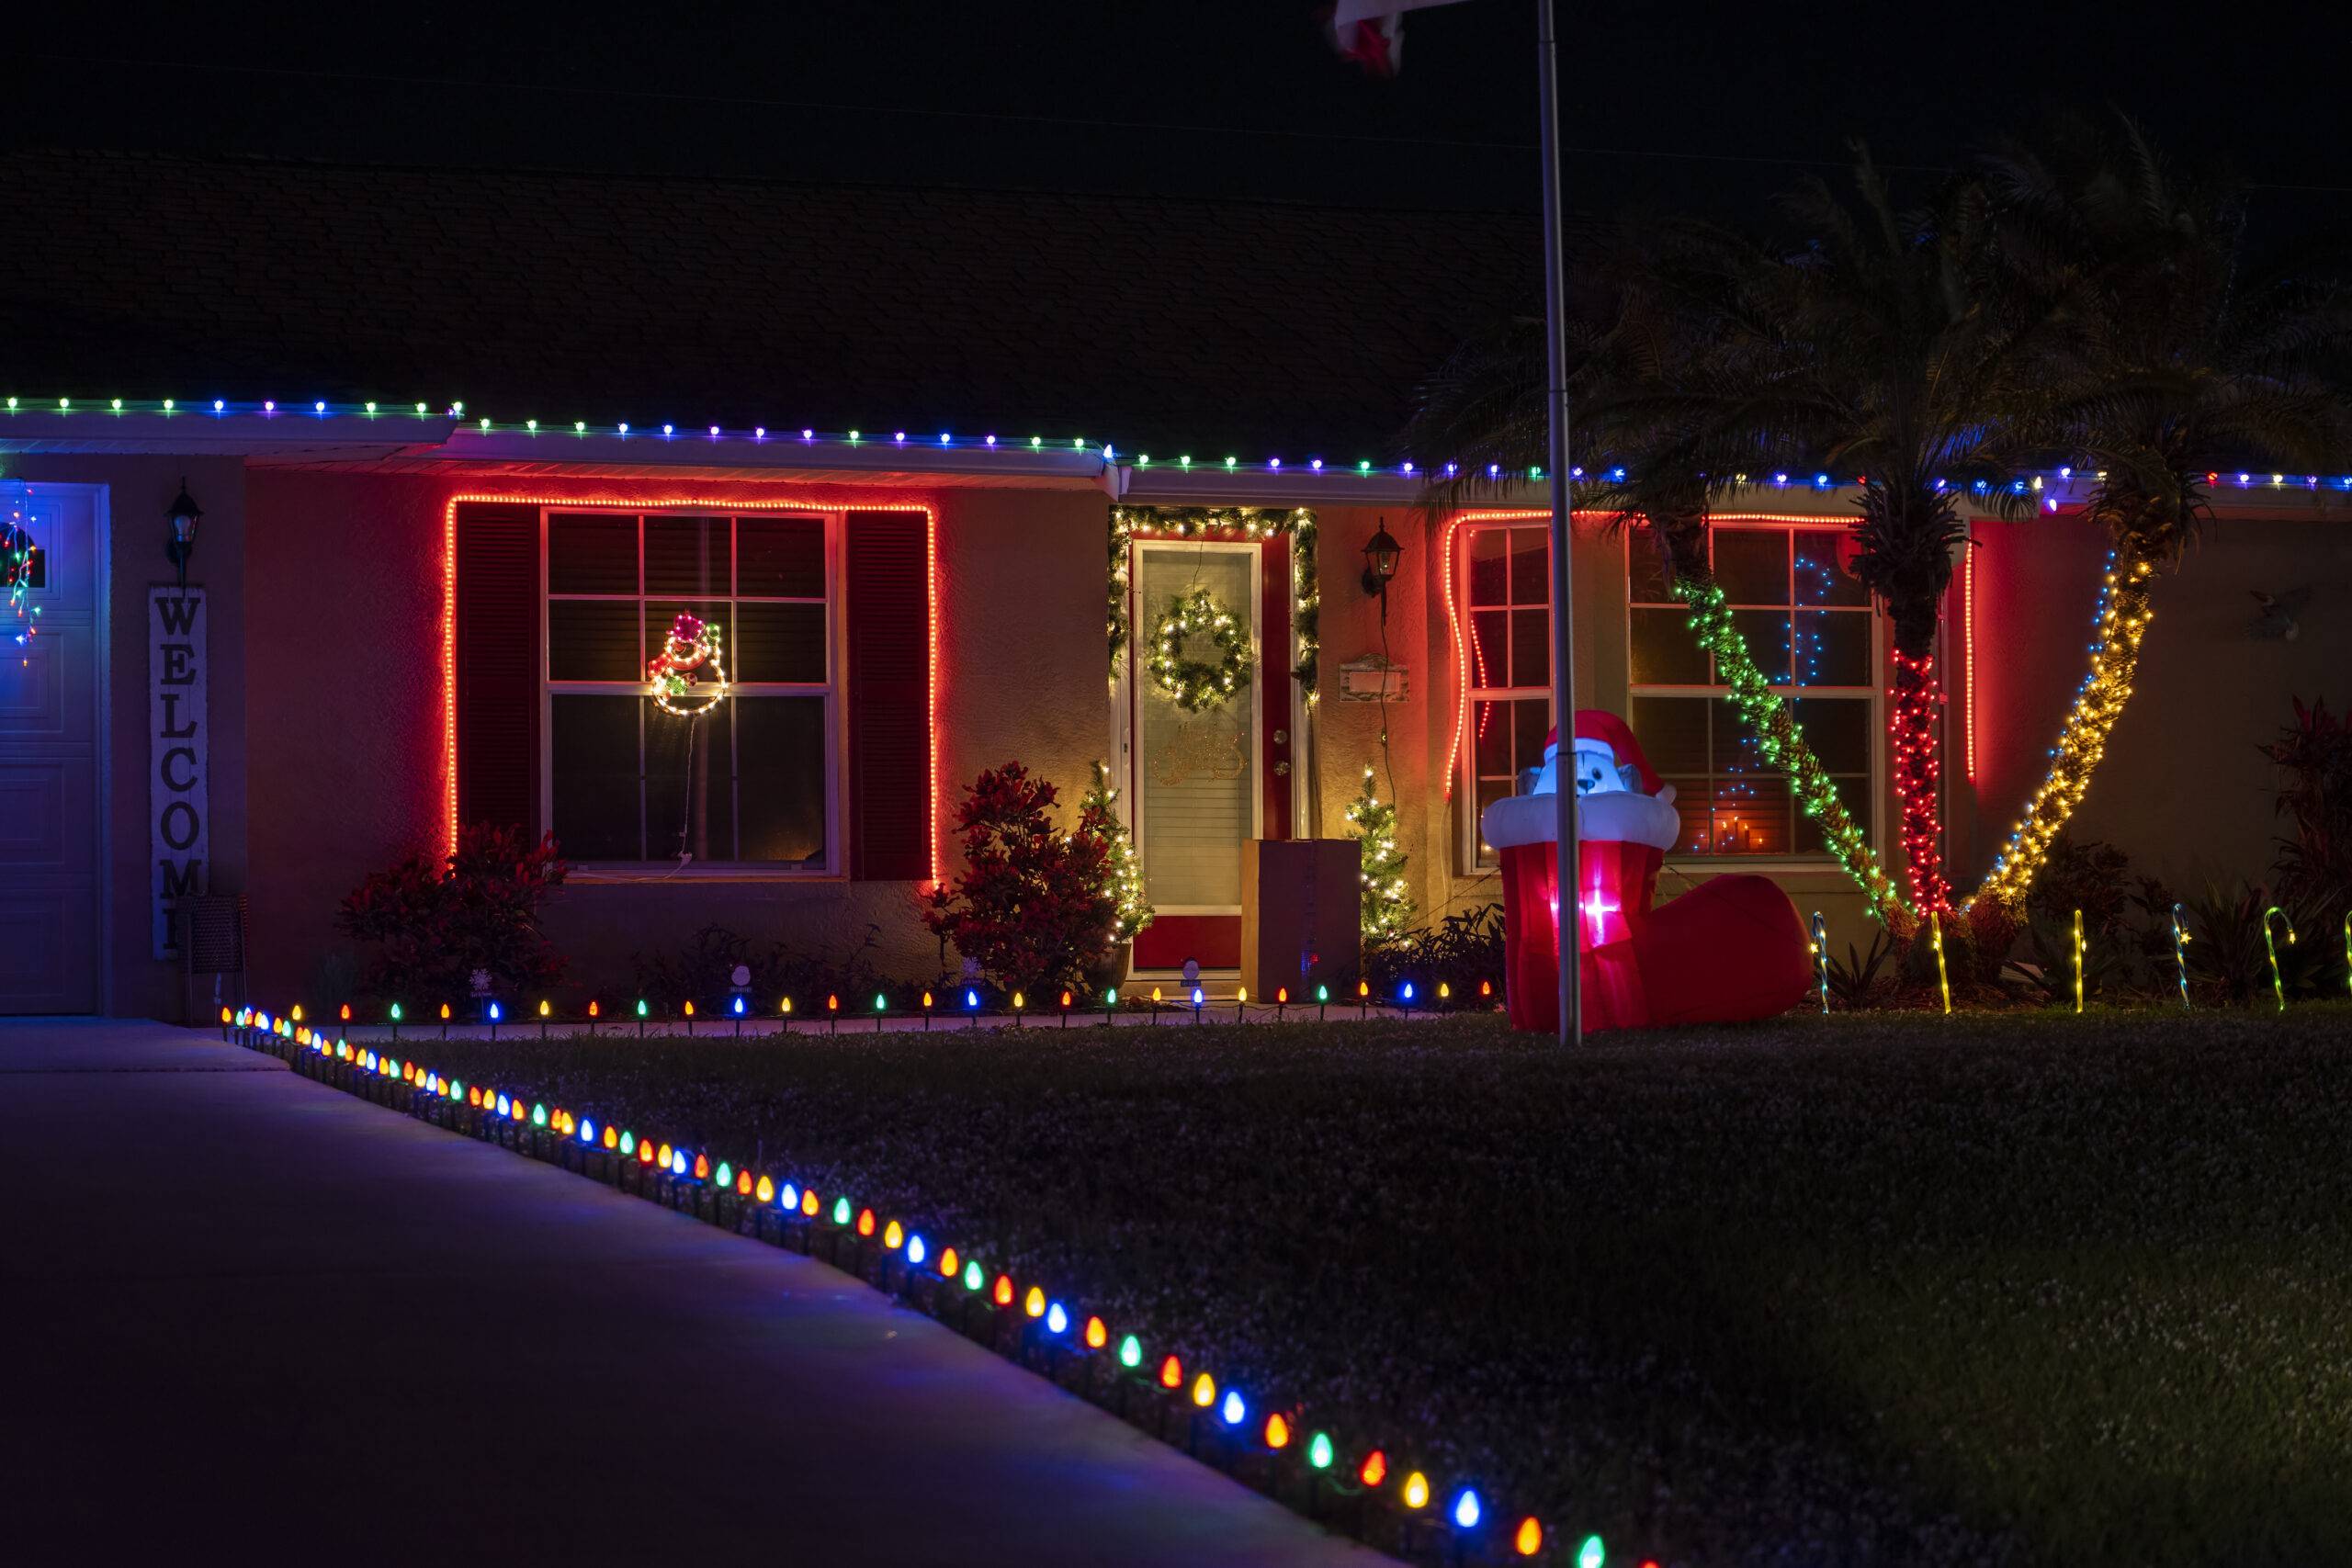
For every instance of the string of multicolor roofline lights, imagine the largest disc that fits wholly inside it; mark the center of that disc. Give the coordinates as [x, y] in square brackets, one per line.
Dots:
[809, 436]
[933, 1276]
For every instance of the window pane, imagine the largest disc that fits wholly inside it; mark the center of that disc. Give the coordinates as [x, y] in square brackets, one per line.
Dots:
[1490, 729]
[689, 785]
[593, 639]
[591, 553]
[1767, 634]
[1673, 732]
[783, 557]
[1837, 731]
[1531, 567]
[1530, 721]
[1530, 648]
[1690, 804]
[1664, 653]
[1646, 567]
[1752, 817]
[592, 752]
[1490, 648]
[778, 642]
[660, 617]
[1489, 792]
[1833, 648]
[1489, 566]
[780, 758]
[686, 556]
[1819, 578]
[1752, 565]
[1735, 752]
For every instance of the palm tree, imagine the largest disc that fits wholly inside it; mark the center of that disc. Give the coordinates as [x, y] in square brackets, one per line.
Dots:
[2174, 358]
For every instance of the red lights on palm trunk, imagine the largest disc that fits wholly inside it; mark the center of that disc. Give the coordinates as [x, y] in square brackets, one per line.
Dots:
[1913, 730]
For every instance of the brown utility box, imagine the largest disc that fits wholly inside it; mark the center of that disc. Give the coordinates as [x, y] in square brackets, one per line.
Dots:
[1302, 903]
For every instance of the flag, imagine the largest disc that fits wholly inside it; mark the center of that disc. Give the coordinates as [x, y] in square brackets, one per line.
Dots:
[1372, 32]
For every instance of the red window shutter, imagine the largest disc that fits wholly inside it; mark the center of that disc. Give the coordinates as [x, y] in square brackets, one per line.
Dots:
[887, 600]
[498, 665]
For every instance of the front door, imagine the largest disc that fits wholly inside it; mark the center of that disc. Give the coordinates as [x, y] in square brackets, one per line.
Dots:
[1208, 776]
[49, 759]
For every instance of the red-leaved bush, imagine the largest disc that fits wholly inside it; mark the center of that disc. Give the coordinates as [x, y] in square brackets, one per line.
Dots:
[1033, 906]
[435, 921]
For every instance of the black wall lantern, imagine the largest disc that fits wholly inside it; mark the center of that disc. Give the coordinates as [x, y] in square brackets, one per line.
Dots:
[182, 542]
[1381, 554]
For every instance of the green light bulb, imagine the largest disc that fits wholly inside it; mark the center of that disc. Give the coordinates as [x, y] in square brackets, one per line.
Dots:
[841, 1211]
[1591, 1554]
[972, 1281]
[1319, 1452]
[1130, 1351]
[640, 1006]
[396, 1012]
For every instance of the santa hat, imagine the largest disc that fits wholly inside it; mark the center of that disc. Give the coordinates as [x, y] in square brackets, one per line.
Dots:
[1601, 730]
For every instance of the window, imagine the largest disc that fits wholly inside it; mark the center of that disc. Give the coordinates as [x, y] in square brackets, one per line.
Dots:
[750, 781]
[1809, 627]
[1506, 573]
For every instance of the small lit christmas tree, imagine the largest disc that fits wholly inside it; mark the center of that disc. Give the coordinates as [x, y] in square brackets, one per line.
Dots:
[1098, 818]
[1387, 909]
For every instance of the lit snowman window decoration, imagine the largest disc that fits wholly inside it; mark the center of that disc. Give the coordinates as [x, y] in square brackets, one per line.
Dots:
[688, 677]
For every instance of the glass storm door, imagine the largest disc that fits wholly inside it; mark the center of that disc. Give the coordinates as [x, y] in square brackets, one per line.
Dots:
[1201, 781]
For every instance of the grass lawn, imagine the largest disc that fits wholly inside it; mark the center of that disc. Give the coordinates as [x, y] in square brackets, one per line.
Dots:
[1876, 1288]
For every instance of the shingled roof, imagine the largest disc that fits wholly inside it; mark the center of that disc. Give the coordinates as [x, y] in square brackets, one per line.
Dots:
[1179, 325]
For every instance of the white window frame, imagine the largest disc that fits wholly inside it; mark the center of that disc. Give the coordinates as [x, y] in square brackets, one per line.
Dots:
[828, 690]
[1873, 694]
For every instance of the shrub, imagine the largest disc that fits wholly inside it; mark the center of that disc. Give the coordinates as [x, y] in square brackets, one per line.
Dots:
[435, 921]
[2314, 759]
[1033, 906]
[1458, 953]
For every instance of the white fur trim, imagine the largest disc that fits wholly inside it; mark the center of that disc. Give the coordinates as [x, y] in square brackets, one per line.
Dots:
[1616, 816]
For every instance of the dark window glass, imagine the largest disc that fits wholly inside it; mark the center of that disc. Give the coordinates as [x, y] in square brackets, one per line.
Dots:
[1752, 565]
[688, 555]
[1490, 566]
[593, 639]
[778, 642]
[1530, 648]
[1489, 792]
[591, 553]
[1664, 652]
[781, 755]
[1490, 739]
[592, 755]
[1766, 633]
[1838, 732]
[1819, 578]
[1530, 721]
[1691, 805]
[782, 557]
[1531, 567]
[1673, 732]
[1833, 648]
[1490, 648]
[689, 785]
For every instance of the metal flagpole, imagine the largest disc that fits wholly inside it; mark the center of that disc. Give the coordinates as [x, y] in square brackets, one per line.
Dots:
[1570, 921]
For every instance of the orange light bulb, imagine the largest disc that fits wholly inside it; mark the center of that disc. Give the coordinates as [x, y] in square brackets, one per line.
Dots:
[1375, 1468]
[1171, 1373]
[1097, 1335]
[1004, 1290]
[1277, 1431]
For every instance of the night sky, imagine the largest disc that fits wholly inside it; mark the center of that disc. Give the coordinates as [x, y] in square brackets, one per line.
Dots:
[1667, 104]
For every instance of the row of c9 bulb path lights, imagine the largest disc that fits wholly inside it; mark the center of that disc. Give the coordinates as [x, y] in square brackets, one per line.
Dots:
[738, 1011]
[1033, 1328]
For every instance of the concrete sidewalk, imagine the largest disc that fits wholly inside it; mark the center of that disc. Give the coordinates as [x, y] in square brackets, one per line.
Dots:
[249, 1313]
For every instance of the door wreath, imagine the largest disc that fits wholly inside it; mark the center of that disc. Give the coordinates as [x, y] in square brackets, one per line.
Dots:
[1201, 685]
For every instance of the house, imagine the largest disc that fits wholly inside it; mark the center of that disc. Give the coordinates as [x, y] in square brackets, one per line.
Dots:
[459, 448]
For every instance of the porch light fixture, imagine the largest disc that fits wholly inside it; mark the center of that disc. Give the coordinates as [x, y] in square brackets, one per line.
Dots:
[1381, 554]
[181, 544]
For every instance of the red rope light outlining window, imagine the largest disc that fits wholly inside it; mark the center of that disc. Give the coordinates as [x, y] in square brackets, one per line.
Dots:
[645, 503]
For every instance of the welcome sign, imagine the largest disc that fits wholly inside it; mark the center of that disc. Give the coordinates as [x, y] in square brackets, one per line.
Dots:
[178, 804]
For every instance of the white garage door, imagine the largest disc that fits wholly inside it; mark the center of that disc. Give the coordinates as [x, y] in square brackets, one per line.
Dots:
[49, 762]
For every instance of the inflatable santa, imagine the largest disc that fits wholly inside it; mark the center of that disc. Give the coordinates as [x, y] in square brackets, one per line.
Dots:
[1732, 948]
